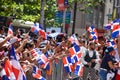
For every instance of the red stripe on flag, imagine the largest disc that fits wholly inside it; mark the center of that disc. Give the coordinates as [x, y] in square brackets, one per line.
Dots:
[64, 60]
[71, 51]
[115, 27]
[16, 72]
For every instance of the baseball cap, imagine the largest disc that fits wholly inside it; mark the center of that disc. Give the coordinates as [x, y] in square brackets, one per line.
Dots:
[109, 49]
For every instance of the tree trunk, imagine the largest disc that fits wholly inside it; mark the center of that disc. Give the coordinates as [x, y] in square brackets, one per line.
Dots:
[42, 13]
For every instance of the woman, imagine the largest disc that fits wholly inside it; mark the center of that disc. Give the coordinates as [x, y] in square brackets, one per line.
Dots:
[107, 64]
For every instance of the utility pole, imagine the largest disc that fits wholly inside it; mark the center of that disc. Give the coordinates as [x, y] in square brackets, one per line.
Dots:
[74, 17]
[42, 12]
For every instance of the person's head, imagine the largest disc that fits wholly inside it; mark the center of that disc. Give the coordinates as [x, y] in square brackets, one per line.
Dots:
[29, 46]
[1, 30]
[83, 42]
[110, 50]
[35, 41]
[91, 45]
[20, 31]
[117, 41]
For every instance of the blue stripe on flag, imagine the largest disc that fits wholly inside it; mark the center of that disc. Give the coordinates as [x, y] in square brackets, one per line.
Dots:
[76, 47]
[115, 34]
[67, 69]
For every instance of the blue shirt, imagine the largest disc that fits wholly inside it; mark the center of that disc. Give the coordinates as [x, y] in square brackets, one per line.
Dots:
[107, 57]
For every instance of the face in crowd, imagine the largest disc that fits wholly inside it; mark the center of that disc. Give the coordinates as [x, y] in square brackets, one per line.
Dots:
[92, 46]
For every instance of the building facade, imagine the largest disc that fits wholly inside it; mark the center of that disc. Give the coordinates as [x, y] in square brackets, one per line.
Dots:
[99, 16]
[108, 11]
[117, 8]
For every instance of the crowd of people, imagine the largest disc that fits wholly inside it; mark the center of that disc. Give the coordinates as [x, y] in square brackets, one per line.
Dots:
[100, 61]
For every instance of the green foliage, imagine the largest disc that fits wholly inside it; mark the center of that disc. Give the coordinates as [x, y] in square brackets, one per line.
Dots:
[30, 9]
[21, 9]
[89, 4]
[50, 10]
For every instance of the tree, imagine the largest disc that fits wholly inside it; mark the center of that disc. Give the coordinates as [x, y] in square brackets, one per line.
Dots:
[27, 9]
[30, 9]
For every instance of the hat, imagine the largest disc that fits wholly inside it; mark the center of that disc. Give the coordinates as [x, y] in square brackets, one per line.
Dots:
[14, 39]
[109, 49]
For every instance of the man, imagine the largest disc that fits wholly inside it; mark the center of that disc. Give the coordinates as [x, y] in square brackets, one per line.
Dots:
[82, 46]
[117, 56]
[89, 59]
[107, 67]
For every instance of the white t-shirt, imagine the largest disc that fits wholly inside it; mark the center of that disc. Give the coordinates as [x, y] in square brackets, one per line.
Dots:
[83, 49]
[90, 54]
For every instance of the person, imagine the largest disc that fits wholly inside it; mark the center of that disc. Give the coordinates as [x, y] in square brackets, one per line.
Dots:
[117, 57]
[3, 41]
[83, 45]
[107, 64]
[66, 28]
[89, 59]
[2, 32]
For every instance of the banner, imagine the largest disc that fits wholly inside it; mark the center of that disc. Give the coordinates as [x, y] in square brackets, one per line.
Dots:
[61, 5]
[59, 17]
[66, 3]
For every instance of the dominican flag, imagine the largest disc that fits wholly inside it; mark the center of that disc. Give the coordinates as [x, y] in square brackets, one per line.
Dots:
[38, 29]
[10, 30]
[93, 35]
[116, 21]
[36, 53]
[35, 29]
[111, 43]
[112, 24]
[92, 29]
[3, 75]
[7, 72]
[42, 32]
[40, 58]
[108, 26]
[75, 53]
[47, 54]
[37, 73]
[16, 67]
[44, 62]
[68, 66]
[115, 26]
[79, 69]
[74, 39]
[115, 31]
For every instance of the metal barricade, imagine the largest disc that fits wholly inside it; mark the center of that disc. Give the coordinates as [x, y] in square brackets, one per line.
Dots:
[58, 72]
